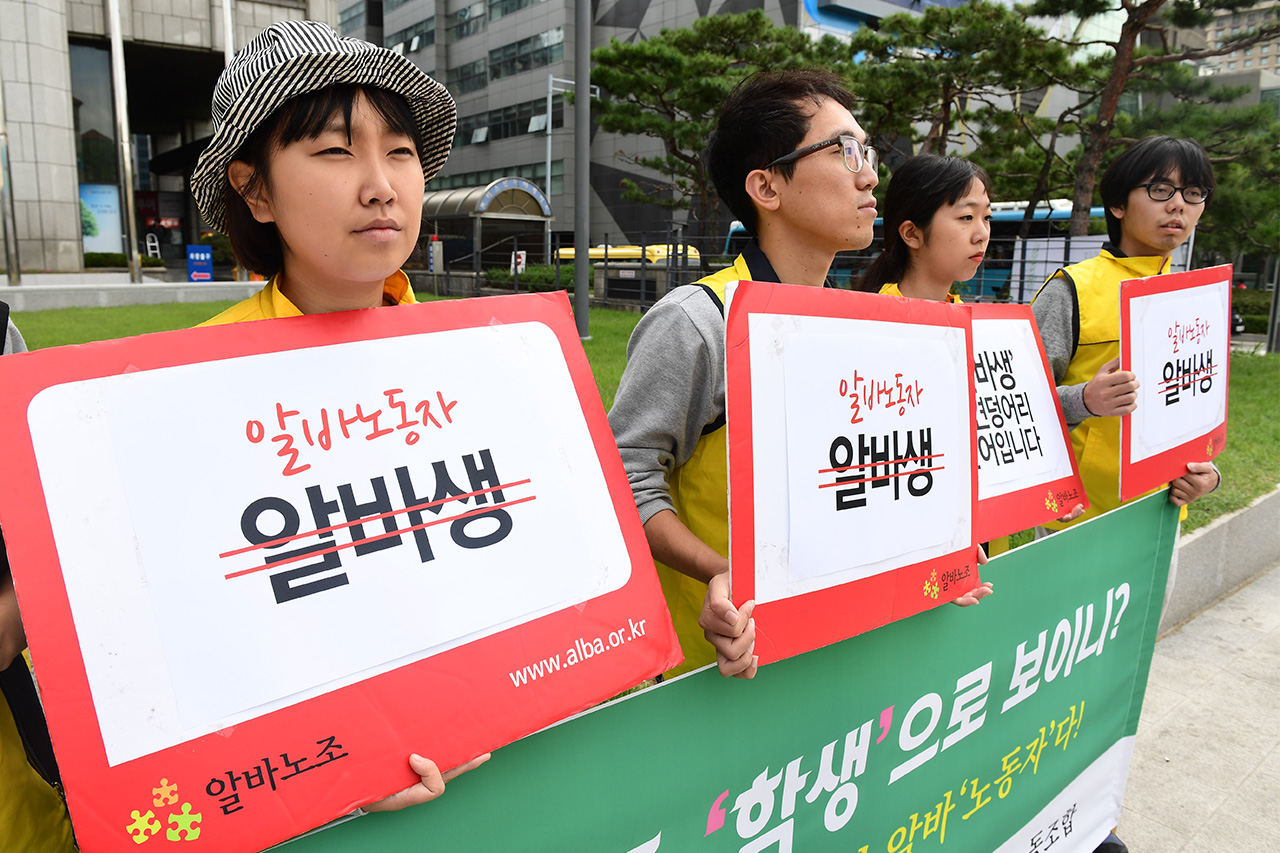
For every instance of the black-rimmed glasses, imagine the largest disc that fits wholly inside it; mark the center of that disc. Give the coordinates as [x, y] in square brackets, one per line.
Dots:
[856, 154]
[1163, 191]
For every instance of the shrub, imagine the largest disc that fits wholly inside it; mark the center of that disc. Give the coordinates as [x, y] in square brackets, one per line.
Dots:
[1255, 324]
[535, 276]
[116, 259]
[1251, 301]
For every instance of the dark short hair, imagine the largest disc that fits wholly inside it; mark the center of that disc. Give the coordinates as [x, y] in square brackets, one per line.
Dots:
[765, 117]
[1150, 159]
[917, 189]
[257, 244]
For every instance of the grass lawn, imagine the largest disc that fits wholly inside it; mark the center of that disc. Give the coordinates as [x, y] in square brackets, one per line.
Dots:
[1250, 463]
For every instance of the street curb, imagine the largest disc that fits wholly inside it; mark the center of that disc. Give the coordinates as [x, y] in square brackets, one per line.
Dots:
[43, 297]
[1222, 557]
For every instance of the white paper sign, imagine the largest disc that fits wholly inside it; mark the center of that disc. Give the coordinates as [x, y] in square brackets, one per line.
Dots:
[1019, 436]
[179, 641]
[907, 388]
[1180, 346]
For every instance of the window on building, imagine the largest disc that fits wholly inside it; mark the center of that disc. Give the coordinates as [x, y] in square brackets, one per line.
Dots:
[1264, 60]
[1248, 51]
[535, 172]
[500, 8]
[351, 19]
[1248, 63]
[424, 32]
[1265, 49]
[388, 5]
[534, 52]
[467, 21]
[470, 77]
[516, 120]
[1231, 66]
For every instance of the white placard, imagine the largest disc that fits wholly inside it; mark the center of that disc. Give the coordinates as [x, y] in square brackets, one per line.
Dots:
[1180, 345]
[1016, 410]
[803, 542]
[175, 649]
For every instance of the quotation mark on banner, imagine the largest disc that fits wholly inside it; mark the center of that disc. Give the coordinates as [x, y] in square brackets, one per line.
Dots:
[145, 825]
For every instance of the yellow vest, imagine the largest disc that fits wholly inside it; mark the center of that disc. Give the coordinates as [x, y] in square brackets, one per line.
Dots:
[891, 288]
[33, 817]
[1096, 441]
[700, 492]
[269, 303]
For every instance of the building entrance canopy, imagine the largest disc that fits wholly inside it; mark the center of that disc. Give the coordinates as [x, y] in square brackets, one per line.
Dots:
[494, 220]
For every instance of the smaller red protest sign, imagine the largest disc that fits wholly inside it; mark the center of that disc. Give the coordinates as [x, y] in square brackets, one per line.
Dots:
[261, 564]
[1175, 334]
[851, 461]
[1027, 474]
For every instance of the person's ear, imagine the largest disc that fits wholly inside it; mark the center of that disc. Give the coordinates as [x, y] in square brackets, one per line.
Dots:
[1117, 212]
[240, 174]
[762, 190]
[911, 234]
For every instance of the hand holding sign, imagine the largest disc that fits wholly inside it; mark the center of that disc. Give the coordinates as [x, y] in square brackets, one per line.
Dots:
[731, 630]
[1200, 479]
[1111, 392]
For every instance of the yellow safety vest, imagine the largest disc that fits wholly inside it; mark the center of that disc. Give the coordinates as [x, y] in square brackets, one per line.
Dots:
[700, 492]
[33, 817]
[1096, 441]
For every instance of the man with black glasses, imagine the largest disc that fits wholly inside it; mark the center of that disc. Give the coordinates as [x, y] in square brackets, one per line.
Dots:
[1153, 195]
[793, 165]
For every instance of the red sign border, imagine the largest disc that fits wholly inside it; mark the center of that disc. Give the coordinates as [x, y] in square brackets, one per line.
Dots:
[1139, 477]
[1025, 508]
[449, 707]
[801, 623]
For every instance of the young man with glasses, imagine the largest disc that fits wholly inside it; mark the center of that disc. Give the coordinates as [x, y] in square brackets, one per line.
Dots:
[1153, 196]
[792, 164]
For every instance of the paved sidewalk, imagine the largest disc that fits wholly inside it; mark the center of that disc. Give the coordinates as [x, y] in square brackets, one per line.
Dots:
[1206, 765]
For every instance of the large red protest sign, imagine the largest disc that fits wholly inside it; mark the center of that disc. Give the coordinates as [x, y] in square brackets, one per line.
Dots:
[851, 461]
[1175, 334]
[261, 564]
[1027, 474]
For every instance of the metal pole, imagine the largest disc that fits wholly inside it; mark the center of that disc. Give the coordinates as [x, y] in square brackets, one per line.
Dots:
[581, 164]
[228, 32]
[124, 153]
[546, 176]
[8, 216]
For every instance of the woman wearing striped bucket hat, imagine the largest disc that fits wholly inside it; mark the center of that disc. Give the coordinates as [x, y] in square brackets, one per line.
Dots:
[321, 150]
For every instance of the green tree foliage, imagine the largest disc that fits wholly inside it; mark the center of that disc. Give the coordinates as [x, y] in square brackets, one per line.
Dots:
[669, 87]
[1243, 144]
[922, 79]
[1115, 64]
[88, 222]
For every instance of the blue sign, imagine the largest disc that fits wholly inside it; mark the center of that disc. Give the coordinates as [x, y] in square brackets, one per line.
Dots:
[199, 263]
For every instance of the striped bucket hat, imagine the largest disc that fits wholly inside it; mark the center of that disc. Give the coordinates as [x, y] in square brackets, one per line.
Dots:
[292, 58]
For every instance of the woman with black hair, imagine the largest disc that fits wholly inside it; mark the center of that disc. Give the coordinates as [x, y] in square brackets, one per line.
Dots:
[937, 223]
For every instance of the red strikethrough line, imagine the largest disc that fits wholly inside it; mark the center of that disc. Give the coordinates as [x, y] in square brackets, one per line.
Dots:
[395, 533]
[283, 539]
[885, 477]
[876, 464]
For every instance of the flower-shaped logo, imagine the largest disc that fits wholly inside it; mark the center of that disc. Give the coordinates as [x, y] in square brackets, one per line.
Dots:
[1051, 503]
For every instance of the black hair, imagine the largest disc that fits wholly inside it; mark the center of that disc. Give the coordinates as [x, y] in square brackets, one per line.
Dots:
[766, 116]
[1151, 159]
[917, 189]
[257, 244]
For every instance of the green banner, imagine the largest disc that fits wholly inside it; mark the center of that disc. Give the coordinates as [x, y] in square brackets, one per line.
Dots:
[1006, 726]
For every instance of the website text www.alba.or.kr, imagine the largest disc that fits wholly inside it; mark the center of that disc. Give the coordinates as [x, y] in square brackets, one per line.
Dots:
[581, 650]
